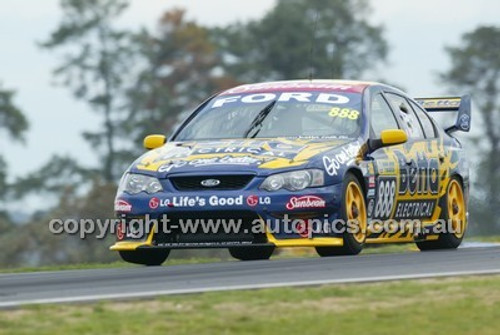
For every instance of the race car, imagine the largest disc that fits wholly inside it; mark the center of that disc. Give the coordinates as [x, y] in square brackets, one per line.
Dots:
[328, 164]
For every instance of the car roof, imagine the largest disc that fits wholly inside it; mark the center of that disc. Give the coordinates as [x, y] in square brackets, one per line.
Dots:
[351, 86]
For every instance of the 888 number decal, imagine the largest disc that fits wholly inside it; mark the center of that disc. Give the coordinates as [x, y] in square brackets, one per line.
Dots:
[386, 197]
[351, 114]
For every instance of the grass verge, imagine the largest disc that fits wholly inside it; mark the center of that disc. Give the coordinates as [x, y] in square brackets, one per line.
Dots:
[467, 305]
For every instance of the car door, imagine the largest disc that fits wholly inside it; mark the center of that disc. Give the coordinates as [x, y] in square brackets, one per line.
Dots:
[418, 161]
[382, 189]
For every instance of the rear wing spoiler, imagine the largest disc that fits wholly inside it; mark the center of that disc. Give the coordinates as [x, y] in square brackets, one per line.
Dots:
[461, 105]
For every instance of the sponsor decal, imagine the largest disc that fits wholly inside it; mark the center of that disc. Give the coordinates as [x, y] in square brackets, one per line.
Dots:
[154, 203]
[464, 122]
[306, 201]
[254, 147]
[200, 162]
[225, 201]
[371, 187]
[276, 86]
[223, 148]
[371, 181]
[371, 205]
[187, 201]
[386, 196]
[344, 113]
[183, 201]
[253, 200]
[347, 153]
[421, 176]
[414, 209]
[120, 231]
[320, 98]
[440, 103]
[123, 206]
[303, 228]
[176, 152]
[386, 166]
[210, 182]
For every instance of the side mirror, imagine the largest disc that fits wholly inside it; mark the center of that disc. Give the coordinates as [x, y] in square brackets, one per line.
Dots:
[389, 137]
[154, 141]
[393, 136]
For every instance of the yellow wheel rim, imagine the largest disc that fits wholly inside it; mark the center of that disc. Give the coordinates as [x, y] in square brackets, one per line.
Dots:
[456, 208]
[356, 210]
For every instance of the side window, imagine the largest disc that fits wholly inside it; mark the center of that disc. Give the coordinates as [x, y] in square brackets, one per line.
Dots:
[429, 130]
[407, 116]
[382, 117]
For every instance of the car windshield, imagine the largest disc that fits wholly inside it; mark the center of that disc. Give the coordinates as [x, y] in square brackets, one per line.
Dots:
[276, 114]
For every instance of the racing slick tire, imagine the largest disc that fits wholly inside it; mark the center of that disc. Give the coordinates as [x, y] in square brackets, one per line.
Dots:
[251, 253]
[454, 214]
[353, 207]
[148, 257]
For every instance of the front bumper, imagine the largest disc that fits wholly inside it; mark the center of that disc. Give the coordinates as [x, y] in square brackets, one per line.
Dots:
[276, 214]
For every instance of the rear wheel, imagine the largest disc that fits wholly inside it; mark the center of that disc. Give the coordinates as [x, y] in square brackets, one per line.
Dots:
[455, 217]
[251, 253]
[149, 257]
[353, 210]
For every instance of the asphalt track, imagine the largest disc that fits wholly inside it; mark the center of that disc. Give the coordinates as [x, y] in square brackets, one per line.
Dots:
[141, 282]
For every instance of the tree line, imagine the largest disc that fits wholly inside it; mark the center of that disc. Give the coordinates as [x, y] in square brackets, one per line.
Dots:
[145, 81]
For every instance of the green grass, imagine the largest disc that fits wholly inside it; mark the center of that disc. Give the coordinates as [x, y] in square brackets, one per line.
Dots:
[442, 306]
[492, 239]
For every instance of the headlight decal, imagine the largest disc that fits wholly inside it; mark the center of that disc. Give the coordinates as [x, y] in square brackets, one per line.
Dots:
[294, 181]
[133, 183]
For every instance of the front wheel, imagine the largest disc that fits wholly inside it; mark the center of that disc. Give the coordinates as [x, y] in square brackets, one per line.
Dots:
[353, 214]
[148, 257]
[251, 253]
[454, 216]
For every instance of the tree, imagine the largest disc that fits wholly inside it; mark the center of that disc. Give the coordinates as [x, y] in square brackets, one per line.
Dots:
[14, 124]
[475, 68]
[95, 64]
[181, 68]
[57, 177]
[12, 120]
[325, 38]
[34, 244]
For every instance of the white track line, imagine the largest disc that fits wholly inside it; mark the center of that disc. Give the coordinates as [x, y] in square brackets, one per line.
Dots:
[148, 294]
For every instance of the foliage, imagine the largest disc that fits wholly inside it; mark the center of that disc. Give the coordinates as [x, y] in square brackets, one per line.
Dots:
[12, 120]
[58, 176]
[95, 65]
[180, 70]
[475, 68]
[325, 38]
[14, 124]
[33, 243]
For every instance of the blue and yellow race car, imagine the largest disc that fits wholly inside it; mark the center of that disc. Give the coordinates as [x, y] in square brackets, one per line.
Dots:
[327, 164]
